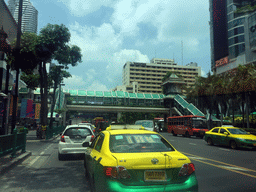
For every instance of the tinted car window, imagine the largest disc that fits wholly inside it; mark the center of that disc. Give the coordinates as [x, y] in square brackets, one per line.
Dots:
[99, 143]
[135, 143]
[83, 132]
[238, 131]
[215, 130]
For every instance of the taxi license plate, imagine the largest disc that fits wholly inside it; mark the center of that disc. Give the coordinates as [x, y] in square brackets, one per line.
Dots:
[154, 175]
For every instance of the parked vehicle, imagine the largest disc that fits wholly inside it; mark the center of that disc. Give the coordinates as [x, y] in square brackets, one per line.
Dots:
[189, 125]
[72, 138]
[230, 136]
[130, 158]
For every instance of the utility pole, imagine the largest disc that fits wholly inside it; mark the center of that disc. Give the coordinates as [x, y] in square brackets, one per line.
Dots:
[15, 96]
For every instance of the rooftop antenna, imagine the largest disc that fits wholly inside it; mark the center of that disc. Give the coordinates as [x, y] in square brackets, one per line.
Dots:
[173, 58]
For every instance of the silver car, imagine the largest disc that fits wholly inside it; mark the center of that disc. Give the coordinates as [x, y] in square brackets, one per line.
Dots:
[72, 139]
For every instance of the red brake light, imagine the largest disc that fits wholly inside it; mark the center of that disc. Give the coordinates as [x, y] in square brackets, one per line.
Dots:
[117, 172]
[92, 137]
[94, 130]
[62, 138]
[187, 169]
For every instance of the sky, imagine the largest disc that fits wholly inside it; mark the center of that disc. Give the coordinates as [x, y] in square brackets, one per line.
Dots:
[112, 32]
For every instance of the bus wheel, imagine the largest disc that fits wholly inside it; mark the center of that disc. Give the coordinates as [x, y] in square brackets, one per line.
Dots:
[174, 134]
[187, 134]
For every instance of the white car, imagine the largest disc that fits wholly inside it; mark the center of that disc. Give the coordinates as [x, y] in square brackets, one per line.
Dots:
[72, 139]
[89, 124]
[147, 124]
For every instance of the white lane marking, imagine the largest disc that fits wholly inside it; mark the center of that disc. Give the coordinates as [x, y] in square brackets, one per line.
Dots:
[192, 143]
[34, 160]
[233, 168]
[200, 158]
[224, 149]
[41, 154]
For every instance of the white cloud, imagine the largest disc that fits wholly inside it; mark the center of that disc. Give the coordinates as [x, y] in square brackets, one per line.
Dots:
[91, 73]
[80, 8]
[97, 43]
[97, 86]
[115, 67]
[75, 82]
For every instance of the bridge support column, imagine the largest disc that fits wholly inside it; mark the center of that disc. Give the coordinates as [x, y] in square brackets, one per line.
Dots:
[119, 114]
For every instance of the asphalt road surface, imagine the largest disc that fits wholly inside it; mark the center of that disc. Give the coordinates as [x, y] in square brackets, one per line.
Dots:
[217, 168]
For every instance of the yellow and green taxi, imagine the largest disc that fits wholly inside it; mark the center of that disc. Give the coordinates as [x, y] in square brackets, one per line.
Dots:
[129, 158]
[230, 136]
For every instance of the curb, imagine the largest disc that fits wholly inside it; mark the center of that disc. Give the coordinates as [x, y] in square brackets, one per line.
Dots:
[5, 168]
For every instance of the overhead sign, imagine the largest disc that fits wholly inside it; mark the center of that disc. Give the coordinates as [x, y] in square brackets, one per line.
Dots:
[221, 62]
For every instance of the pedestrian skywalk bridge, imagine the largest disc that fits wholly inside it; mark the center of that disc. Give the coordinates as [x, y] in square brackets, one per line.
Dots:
[186, 108]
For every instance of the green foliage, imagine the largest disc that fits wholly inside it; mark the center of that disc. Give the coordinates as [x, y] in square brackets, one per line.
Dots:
[247, 8]
[32, 80]
[24, 58]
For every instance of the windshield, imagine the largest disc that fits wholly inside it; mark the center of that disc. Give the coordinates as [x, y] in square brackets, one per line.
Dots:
[145, 123]
[201, 124]
[135, 143]
[73, 132]
[238, 131]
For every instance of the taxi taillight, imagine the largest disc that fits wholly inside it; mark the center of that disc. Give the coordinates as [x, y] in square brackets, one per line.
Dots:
[187, 169]
[62, 139]
[117, 172]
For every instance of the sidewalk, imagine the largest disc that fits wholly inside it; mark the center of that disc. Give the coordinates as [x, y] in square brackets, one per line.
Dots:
[7, 162]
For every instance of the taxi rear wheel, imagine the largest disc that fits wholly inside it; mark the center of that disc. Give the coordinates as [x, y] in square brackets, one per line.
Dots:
[233, 145]
[209, 141]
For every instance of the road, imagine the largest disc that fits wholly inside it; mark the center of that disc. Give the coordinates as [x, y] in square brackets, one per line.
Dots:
[217, 168]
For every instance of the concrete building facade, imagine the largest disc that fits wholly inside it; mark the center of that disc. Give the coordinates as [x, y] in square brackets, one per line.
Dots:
[233, 34]
[29, 15]
[149, 75]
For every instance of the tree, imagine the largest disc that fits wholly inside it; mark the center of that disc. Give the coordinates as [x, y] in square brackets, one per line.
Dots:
[56, 75]
[53, 41]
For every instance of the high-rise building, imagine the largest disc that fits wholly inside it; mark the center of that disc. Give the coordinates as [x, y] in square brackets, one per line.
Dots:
[149, 75]
[29, 15]
[233, 34]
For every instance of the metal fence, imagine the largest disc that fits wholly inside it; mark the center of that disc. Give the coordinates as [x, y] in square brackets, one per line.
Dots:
[9, 144]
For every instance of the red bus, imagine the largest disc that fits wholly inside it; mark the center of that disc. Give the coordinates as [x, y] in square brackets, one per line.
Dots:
[188, 125]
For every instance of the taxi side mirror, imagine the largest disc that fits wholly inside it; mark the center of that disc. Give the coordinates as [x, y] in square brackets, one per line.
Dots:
[86, 144]
[226, 133]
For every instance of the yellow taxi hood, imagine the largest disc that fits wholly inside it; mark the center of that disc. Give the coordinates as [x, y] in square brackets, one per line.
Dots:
[249, 136]
[151, 160]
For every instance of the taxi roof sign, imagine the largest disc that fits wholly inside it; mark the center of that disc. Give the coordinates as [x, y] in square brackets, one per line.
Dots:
[115, 127]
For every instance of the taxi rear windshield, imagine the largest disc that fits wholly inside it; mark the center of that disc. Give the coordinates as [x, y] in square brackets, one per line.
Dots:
[135, 143]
